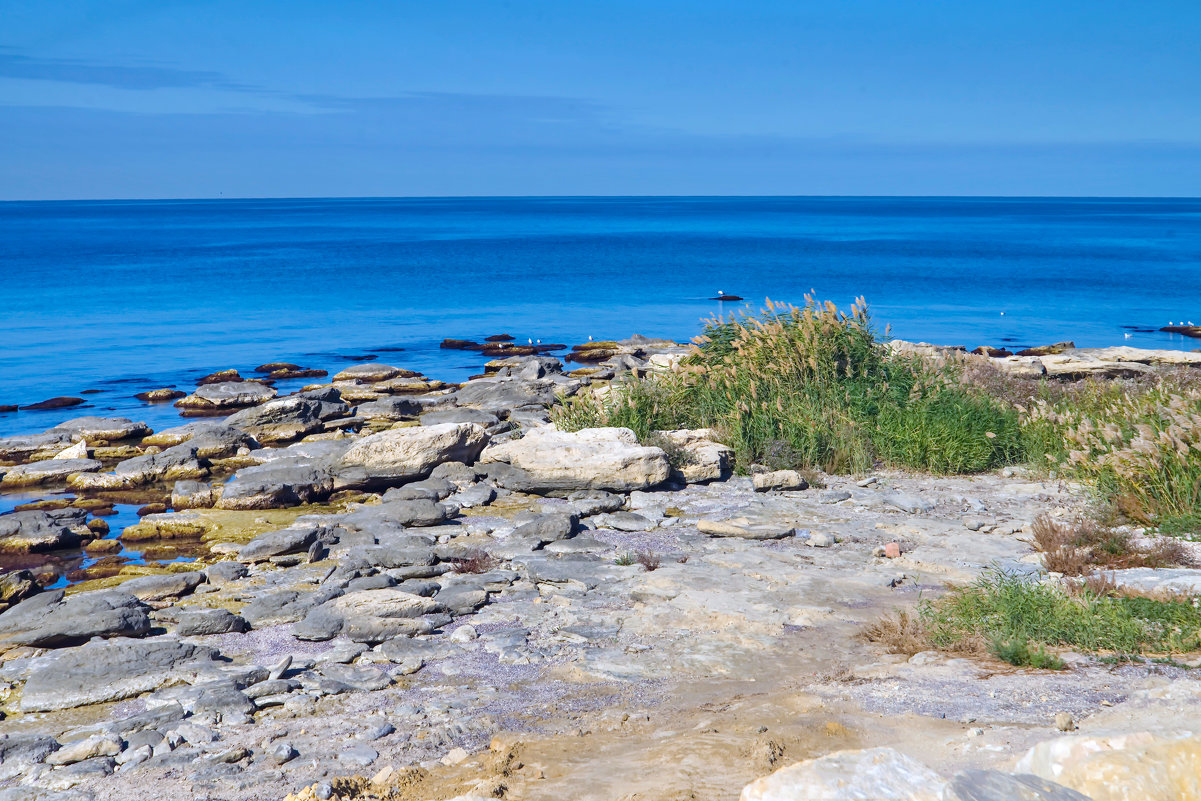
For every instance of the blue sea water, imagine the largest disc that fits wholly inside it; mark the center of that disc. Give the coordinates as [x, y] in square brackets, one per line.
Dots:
[125, 296]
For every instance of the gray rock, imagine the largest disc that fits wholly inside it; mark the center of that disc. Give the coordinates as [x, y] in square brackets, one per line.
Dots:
[460, 415]
[50, 620]
[289, 418]
[319, 625]
[225, 572]
[906, 502]
[16, 586]
[833, 496]
[595, 458]
[779, 481]
[166, 585]
[390, 409]
[97, 745]
[108, 429]
[358, 756]
[211, 440]
[500, 396]
[277, 485]
[294, 539]
[625, 521]
[109, 671]
[478, 495]
[39, 531]
[200, 622]
[991, 785]
[28, 447]
[227, 395]
[283, 752]
[457, 473]
[548, 527]
[363, 678]
[594, 502]
[399, 455]
[179, 462]
[48, 471]
[193, 495]
[20, 752]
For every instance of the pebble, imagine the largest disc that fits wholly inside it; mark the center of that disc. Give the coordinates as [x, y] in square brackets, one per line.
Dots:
[820, 541]
[1064, 722]
[284, 752]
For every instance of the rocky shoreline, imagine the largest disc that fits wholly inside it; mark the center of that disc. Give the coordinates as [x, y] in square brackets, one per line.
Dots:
[430, 588]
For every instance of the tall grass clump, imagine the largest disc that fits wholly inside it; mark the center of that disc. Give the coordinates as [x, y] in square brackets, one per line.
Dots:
[813, 386]
[1139, 444]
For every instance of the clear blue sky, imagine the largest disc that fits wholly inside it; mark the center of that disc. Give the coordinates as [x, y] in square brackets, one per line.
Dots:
[154, 98]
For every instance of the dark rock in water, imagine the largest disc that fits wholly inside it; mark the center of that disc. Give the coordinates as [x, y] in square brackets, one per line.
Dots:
[1186, 330]
[362, 357]
[220, 376]
[109, 671]
[281, 375]
[995, 353]
[460, 344]
[160, 395]
[540, 349]
[505, 349]
[727, 297]
[152, 509]
[273, 367]
[54, 403]
[48, 620]
[499, 338]
[1047, 350]
[7, 407]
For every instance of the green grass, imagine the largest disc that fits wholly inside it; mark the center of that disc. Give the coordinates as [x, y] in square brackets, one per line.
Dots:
[813, 387]
[1004, 608]
[1021, 653]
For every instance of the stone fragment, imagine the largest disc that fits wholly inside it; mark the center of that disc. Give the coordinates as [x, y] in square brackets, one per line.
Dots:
[50, 620]
[779, 481]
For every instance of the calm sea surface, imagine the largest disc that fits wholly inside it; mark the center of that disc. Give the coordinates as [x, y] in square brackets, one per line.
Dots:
[126, 296]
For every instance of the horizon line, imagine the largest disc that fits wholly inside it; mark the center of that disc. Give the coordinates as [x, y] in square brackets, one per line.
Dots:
[216, 198]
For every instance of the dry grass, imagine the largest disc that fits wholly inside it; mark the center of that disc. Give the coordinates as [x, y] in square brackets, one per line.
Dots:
[651, 561]
[1084, 547]
[898, 633]
[474, 561]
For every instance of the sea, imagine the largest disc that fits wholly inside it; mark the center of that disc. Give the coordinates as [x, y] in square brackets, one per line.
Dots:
[111, 298]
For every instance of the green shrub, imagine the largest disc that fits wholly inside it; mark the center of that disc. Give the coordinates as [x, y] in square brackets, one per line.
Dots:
[1019, 653]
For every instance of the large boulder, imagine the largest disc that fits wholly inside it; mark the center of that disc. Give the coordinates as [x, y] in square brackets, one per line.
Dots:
[111, 671]
[290, 418]
[181, 462]
[38, 531]
[226, 395]
[370, 616]
[371, 372]
[592, 459]
[405, 454]
[880, 774]
[696, 455]
[47, 471]
[1131, 766]
[106, 429]
[50, 620]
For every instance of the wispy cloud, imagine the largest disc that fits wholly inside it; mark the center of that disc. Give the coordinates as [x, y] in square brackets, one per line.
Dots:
[119, 76]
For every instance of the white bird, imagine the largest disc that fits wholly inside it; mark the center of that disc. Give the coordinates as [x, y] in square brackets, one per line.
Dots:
[720, 292]
[1128, 336]
[1002, 314]
[590, 337]
[529, 340]
[540, 342]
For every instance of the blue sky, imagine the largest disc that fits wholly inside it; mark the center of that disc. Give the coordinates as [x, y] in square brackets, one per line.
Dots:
[156, 98]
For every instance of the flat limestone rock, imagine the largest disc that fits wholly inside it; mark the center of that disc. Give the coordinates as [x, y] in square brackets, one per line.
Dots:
[47, 471]
[399, 455]
[110, 671]
[108, 429]
[227, 395]
[745, 529]
[591, 459]
[50, 620]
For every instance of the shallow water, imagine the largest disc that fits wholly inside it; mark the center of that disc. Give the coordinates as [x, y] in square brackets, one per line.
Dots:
[127, 296]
